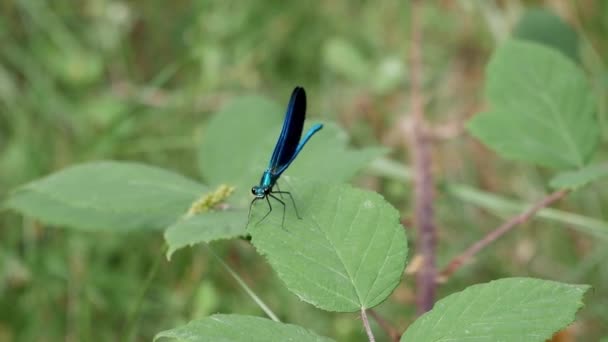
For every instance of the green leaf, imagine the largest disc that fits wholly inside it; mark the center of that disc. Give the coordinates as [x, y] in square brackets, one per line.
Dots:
[206, 227]
[542, 26]
[239, 140]
[346, 253]
[237, 328]
[329, 159]
[345, 60]
[107, 195]
[389, 74]
[511, 309]
[542, 110]
[235, 139]
[579, 178]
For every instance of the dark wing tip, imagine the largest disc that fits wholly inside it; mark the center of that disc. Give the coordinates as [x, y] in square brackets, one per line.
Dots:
[298, 90]
[297, 100]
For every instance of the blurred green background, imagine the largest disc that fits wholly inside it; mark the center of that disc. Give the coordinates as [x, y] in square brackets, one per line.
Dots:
[137, 80]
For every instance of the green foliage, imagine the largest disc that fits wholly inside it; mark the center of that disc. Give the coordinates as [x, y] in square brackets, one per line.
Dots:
[116, 80]
[579, 178]
[544, 27]
[245, 131]
[207, 227]
[504, 208]
[345, 60]
[346, 253]
[237, 328]
[257, 122]
[249, 119]
[511, 309]
[542, 110]
[107, 196]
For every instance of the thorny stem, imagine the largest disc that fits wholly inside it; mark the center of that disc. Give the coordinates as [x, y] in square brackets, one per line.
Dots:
[423, 181]
[501, 230]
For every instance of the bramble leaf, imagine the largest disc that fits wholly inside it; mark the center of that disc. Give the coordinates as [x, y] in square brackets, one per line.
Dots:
[541, 108]
[346, 253]
[511, 309]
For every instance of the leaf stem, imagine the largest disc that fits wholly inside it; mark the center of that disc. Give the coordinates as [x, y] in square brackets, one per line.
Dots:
[368, 329]
[243, 285]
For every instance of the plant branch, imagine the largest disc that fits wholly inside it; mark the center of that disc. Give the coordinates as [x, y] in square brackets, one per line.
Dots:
[392, 333]
[368, 329]
[420, 150]
[501, 230]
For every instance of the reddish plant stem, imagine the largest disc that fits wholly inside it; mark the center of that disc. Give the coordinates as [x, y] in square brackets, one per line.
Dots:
[392, 333]
[501, 230]
[420, 150]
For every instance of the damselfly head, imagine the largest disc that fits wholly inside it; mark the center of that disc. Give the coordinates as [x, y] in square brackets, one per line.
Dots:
[260, 191]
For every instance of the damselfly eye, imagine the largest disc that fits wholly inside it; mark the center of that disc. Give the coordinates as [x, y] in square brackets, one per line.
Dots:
[253, 190]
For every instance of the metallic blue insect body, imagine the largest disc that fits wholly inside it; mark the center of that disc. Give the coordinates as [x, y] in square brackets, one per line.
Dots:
[287, 148]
